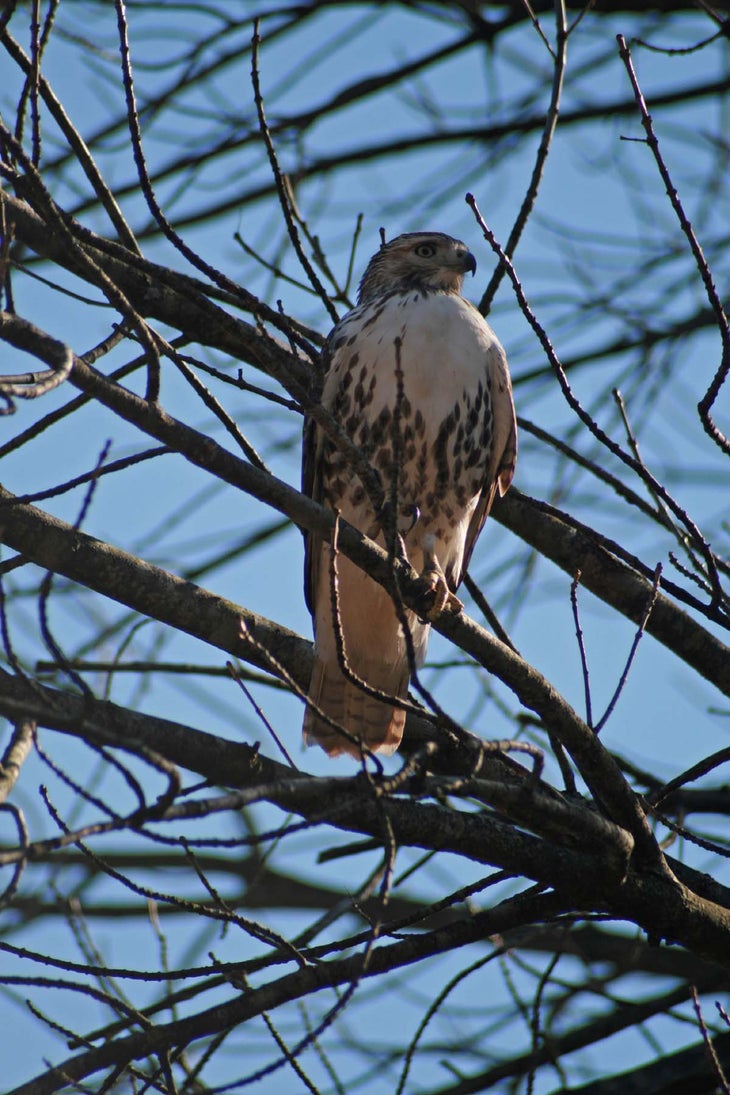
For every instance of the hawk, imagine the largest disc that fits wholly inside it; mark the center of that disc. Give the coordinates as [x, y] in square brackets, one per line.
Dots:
[414, 370]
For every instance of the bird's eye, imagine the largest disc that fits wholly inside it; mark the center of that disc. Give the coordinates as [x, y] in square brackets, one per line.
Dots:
[426, 250]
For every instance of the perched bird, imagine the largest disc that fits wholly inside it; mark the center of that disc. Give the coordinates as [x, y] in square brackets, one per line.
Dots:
[419, 382]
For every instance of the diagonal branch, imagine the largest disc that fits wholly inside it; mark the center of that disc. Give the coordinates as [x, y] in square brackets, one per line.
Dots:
[551, 121]
[573, 546]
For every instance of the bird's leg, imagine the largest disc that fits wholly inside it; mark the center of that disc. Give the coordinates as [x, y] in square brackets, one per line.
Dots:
[436, 596]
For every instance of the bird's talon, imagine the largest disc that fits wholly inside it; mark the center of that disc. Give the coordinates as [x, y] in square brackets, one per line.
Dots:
[453, 604]
[414, 513]
[436, 597]
[406, 520]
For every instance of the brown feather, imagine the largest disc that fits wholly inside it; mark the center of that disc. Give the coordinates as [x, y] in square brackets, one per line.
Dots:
[379, 725]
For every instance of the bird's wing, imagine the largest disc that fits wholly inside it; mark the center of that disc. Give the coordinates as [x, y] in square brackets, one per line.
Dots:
[312, 477]
[504, 452]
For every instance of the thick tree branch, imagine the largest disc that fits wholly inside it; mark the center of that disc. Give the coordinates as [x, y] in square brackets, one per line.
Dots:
[294, 986]
[573, 546]
[21, 531]
[157, 292]
[686, 1070]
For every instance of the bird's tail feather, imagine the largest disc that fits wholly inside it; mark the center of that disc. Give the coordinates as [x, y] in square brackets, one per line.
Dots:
[376, 723]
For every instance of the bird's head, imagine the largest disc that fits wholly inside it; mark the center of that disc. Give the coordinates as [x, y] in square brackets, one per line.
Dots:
[417, 260]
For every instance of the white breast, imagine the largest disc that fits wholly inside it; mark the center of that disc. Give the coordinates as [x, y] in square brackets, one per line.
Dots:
[446, 348]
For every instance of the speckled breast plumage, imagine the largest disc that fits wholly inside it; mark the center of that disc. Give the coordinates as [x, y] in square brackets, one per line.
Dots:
[440, 460]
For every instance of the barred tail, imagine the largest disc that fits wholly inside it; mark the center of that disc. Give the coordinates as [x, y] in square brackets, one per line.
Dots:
[376, 723]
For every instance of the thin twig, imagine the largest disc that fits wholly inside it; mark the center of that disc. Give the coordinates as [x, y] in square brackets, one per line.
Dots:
[213, 405]
[47, 584]
[714, 1060]
[56, 354]
[353, 251]
[559, 55]
[487, 611]
[279, 178]
[634, 647]
[538, 1037]
[13, 883]
[234, 672]
[713, 296]
[722, 756]
[581, 646]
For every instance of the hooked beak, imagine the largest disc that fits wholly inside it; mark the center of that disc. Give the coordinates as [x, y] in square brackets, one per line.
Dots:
[470, 263]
